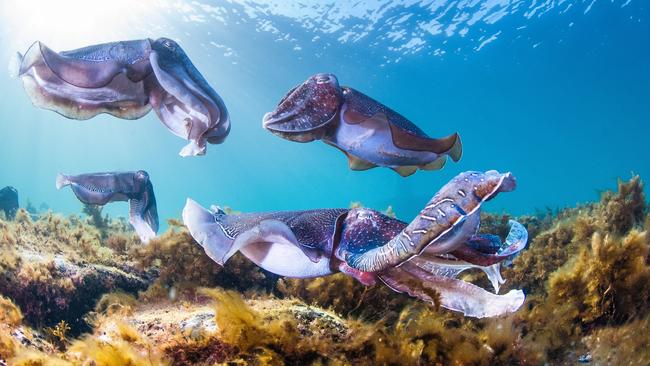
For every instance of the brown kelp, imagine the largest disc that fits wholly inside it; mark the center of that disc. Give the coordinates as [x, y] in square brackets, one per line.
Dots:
[586, 274]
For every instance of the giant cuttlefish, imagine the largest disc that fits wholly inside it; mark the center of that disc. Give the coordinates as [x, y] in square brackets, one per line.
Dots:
[127, 79]
[366, 131]
[102, 188]
[428, 253]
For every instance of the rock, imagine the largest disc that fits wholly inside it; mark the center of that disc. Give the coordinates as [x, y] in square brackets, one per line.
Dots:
[9, 201]
[49, 289]
[188, 333]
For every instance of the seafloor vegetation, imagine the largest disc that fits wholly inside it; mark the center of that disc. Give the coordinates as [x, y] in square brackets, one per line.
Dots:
[83, 291]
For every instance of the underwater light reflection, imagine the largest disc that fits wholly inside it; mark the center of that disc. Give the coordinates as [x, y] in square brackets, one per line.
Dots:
[66, 24]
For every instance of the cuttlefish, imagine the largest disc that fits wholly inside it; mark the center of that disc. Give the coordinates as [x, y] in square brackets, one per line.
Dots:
[102, 188]
[366, 131]
[428, 253]
[127, 79]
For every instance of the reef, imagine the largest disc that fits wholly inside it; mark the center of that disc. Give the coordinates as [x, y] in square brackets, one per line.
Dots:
[102, 298]
[56, 268]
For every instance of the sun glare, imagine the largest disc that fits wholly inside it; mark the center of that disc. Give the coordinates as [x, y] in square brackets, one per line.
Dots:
[65, 24]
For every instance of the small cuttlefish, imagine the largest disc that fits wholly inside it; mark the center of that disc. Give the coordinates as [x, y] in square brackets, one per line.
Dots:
[366, 131]
[102, 188]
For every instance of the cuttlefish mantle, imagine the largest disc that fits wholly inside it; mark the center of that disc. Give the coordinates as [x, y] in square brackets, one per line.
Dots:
[134, 187]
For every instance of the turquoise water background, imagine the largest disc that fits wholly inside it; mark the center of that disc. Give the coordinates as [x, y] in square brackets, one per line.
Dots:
[557, 92]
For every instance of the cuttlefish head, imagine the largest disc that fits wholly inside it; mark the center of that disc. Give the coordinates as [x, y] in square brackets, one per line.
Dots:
[184, 100]
[306, 111]
[140, 180]
[169, 52]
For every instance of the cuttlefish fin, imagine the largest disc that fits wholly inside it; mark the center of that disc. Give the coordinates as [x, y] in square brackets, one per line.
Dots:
[405, 171]
[450, 145]
[354, 162]
[436, 164]
[359, 164]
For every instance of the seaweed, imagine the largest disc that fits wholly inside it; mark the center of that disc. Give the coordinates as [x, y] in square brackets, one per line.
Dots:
[94, 213]
[586, 275]
[10, 317]
[628, 344]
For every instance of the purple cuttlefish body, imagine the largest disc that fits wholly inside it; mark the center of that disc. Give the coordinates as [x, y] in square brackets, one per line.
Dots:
[430, 252]
[127, 79]
[366, 131]
[102, 188]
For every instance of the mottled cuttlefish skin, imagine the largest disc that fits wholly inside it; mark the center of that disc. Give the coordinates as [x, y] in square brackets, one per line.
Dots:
[127, 79]
[429, 253]
[448, 220]
[102, 188]
[366, 131]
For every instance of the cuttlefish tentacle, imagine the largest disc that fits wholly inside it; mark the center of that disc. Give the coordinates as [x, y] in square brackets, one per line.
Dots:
[369, 133]
[127, 79]
[456, 295]
[103, 188]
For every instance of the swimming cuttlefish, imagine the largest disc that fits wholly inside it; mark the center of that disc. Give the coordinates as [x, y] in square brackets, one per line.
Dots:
[127, 79]
[102, 188]
[366, 131]
[428, 253]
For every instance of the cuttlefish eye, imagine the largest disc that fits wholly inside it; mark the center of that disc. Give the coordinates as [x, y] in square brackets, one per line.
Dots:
[304, 113]
[168, 43]
[140, 179]
[165, 44]
[322, 78]
[141, 175]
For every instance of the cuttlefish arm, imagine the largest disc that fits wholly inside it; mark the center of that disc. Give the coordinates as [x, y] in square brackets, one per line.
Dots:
[514, 243]
[418, 259]
[426, 273]
[456, 295]
[126, 79]
[448, 220]
[419, 276]
[143, 214]
[466, 256]
[294, 243]
[103, 188]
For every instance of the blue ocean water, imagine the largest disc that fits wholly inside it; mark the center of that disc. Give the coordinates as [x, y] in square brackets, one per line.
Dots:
[557, 92]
